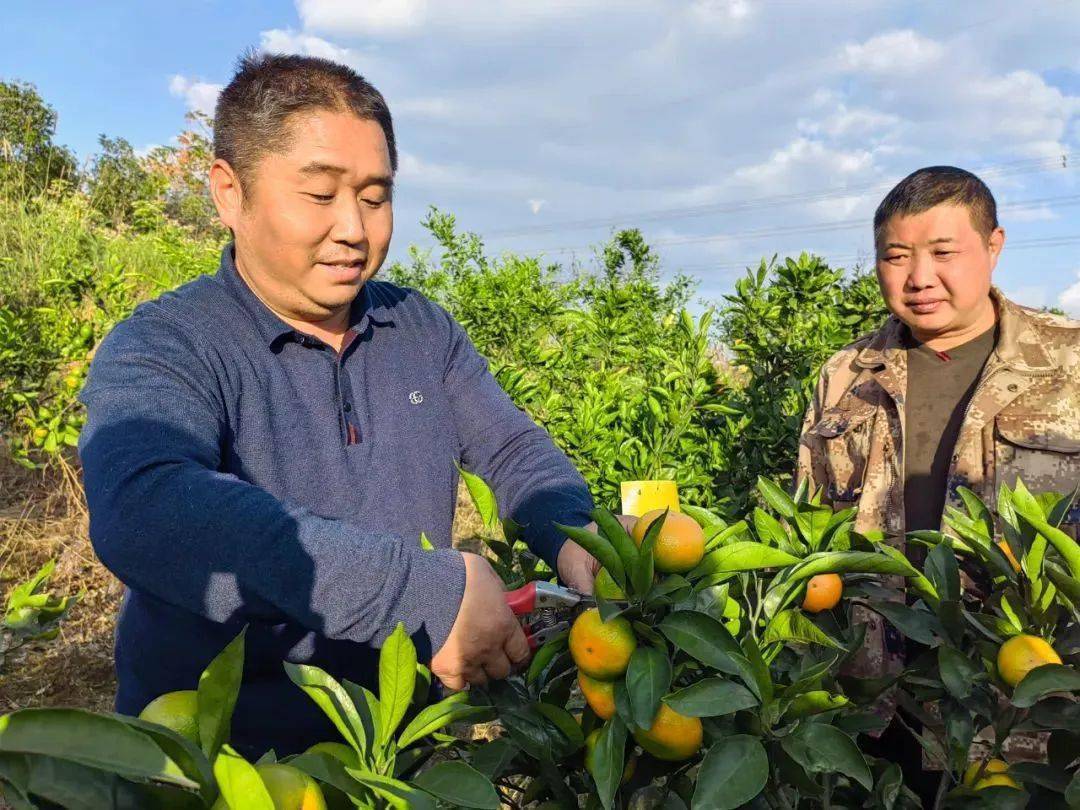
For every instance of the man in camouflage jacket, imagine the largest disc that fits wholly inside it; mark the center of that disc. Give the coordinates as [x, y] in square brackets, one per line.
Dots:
[937, 244]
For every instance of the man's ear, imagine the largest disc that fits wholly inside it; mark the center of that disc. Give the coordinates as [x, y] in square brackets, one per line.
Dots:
[995, 244]
[226, 193]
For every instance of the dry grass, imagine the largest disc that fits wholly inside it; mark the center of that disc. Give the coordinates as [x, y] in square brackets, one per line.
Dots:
[41, 518]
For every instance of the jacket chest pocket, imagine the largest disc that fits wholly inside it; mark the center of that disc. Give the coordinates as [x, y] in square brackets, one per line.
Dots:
[845, 441]
[1040, 450]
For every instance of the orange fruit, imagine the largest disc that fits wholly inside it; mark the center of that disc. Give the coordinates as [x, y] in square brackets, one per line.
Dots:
[680, 544]
[1007, 551]
[994, 774]
[178, 711]
[291, 788]
[590, 747]
[605, 586]
[600, 695]
[672, 736]
[601, 649]
[822, 592]
[1021, 654]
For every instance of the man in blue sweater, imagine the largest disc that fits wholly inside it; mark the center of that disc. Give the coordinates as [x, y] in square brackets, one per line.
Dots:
[264, 446]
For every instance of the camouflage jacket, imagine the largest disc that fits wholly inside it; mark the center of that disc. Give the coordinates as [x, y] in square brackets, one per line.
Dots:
[1023, 420]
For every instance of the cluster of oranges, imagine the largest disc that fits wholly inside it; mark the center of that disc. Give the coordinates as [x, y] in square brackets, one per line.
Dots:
[602, 649]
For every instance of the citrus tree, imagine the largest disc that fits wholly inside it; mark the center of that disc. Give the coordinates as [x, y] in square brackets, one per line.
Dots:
[707, 677]
[176, 753]
[995, 615]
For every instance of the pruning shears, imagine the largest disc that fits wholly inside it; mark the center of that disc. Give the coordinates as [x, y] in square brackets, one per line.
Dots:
[546, 609]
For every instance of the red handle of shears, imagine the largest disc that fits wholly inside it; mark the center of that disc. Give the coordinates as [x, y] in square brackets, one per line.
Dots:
[522, 601]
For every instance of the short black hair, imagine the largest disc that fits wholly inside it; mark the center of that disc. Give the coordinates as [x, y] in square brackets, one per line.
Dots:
[252, 113]
[938, 185]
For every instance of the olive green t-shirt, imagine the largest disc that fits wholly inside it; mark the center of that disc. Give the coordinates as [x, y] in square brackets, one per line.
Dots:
[939, 387]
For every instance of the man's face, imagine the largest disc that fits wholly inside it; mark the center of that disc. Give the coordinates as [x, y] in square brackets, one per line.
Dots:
[317, 219]
[934, 270]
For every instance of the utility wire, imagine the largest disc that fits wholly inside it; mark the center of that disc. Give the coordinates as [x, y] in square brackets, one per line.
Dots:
[823, 227]
[1018, 167]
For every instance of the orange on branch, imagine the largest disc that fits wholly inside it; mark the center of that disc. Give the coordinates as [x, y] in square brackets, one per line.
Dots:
[823, 592]
[1021, 654]
[601, 649]
[600, 695]
[672, 736]
[679, 546]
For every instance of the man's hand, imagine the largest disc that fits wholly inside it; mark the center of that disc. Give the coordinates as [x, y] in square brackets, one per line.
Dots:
[577, 567]
[486, 641]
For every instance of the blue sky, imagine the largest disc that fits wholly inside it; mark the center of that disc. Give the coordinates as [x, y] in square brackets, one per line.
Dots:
[725, 129]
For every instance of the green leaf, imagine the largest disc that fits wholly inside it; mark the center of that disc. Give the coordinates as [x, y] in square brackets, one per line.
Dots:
[460, 785]
[397, 679]
[710, 522]
[794, 625]
[642, 574]
[335, 702]
[648, 678]
[616, 534]
[821, 748]
[439, 715]
[1044, 680]
[849, 562]
[492, 758]
[711, 697]
[97, 741]
[775, 497]
[770, 531]
[1029, 510]
[722, 537]
[977, 510]
[958, 672]
[399, 795]
[186, 754]
[600, 548]
[332, 771]
[483, 498]
[742, 556]
[1072, 792]
[545, 655]
[240, 783]
[812, 521]
[607, 760]
[219, 685]
[704, 638]
[734, 771]
[564, 722]
[942, 570]
[919, 625]
[817, 701]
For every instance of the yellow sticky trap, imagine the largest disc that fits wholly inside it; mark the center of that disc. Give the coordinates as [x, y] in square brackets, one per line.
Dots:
[639, 497]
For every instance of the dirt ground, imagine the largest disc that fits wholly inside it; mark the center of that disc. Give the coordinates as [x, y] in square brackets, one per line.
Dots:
[43, 517]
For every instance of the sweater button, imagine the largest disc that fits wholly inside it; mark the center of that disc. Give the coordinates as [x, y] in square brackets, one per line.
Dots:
[348, 407]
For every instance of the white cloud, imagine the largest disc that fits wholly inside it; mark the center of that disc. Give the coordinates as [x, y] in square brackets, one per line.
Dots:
[284, 40]
[430, 108]
[805, 163]
[199, 96]
[408, 18]
[893, 53]
[843, 122]
[1069, 300]
[536, 205]
[368, 18]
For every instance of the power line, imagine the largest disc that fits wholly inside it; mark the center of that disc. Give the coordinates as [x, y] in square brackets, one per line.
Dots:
[1024, 166]
[824, 227]
[1019, 244]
